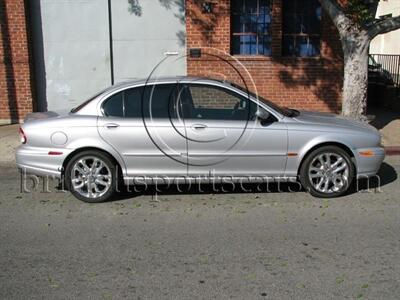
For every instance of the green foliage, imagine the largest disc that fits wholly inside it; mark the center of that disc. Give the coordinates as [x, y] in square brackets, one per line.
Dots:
[361, 11]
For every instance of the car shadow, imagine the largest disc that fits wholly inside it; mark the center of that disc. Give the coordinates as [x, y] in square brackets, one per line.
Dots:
[207, 189]
[386, 175]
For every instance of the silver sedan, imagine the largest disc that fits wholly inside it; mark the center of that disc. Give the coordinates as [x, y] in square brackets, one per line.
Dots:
[194, 130]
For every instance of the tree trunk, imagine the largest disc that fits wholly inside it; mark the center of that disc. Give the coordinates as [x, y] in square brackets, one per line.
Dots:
[355, 84]
[356, 37]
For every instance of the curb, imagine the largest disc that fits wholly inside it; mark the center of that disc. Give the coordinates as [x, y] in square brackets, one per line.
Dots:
[392, 150]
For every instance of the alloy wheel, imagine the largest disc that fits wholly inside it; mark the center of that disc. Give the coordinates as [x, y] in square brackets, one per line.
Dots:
[91, 177]
[329, 173]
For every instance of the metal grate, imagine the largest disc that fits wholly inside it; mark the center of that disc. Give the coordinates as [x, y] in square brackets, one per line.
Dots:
[390, 63]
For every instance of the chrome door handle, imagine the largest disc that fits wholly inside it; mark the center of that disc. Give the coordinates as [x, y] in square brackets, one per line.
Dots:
[111, 125]
[199, 126]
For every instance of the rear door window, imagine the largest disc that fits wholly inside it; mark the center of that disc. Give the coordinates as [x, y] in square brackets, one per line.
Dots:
[133, 103]
[113, 106]
[157, 101]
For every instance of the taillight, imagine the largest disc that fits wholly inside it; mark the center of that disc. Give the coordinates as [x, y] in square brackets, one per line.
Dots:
[22, 136]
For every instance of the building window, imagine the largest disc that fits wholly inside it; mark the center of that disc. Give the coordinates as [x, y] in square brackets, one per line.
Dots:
[251, 24]
[301, 28]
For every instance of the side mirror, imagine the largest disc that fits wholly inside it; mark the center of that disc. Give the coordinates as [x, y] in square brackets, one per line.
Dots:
[262, 114]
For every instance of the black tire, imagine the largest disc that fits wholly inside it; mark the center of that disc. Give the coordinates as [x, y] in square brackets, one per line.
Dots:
[112, 167]
[305, 167]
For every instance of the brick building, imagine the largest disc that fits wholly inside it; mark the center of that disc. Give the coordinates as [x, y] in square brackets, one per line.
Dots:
[288, 48]
[48, 49]
[56, 54]
[16, 98]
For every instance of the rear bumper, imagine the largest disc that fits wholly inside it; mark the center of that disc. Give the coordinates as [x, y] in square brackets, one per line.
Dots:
[38, 161]
[369, 165]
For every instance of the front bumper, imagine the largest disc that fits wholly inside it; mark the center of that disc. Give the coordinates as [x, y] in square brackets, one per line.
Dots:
[38, 161]
[369, 165]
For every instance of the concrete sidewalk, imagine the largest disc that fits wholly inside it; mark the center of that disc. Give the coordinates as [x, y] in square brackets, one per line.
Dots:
[387, 122]
[9, 141]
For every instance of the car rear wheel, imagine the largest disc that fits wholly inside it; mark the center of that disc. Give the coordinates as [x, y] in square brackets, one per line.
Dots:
[327, 172]
[91, 176]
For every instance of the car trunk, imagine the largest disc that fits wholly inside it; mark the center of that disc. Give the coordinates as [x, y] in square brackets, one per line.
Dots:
[45, 115]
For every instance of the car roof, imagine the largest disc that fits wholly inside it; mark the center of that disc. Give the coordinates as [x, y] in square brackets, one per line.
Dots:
[163, 79]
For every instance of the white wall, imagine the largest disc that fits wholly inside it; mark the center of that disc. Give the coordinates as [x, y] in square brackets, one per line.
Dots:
[388, 43]
[72, 45]
[72, 50]
[140, 40]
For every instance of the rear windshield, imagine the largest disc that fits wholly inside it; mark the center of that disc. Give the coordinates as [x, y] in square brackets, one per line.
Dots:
[82, 105]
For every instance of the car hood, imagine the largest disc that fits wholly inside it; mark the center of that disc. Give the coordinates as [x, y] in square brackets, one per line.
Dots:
[333, 121]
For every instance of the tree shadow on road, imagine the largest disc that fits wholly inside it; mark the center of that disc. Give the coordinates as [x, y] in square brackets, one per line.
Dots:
[382, 116]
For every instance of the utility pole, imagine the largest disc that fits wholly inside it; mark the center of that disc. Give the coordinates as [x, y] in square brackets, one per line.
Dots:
[110, 32]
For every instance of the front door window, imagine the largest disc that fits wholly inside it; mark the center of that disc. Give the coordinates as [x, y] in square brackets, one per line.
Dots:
[206, 102]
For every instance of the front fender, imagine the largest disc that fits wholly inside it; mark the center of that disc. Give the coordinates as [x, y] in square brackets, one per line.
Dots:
[303, 143]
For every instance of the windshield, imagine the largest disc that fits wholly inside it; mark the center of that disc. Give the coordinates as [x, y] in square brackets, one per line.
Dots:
[287, 112]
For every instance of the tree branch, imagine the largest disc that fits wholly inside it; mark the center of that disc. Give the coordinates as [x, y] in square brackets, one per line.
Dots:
[342, 22]
[384, 26]
[333, 9]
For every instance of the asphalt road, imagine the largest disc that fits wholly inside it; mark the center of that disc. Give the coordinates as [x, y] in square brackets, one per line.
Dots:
[202, 245]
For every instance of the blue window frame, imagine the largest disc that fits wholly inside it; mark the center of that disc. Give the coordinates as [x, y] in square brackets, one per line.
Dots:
[251, 24]
[301, 28]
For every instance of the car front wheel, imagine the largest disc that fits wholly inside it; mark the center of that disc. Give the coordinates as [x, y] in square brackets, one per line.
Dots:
[327, 172]
[91, 176]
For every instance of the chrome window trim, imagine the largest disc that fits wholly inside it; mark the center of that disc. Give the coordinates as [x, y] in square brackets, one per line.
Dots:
[102, 98]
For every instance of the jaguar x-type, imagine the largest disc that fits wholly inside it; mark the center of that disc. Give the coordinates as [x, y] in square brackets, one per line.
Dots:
[188, 128]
